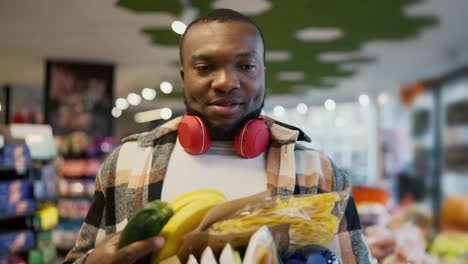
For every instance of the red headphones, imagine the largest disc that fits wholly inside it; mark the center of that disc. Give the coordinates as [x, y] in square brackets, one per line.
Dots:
[251, 140]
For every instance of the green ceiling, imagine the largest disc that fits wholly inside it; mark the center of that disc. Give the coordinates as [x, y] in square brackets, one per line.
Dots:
[360, 20]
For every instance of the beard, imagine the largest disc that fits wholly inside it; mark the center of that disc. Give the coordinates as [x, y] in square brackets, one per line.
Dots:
[226, 133]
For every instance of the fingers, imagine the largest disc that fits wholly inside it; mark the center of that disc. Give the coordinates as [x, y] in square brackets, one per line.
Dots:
[112, 236]
[114, 239]
[136, 250]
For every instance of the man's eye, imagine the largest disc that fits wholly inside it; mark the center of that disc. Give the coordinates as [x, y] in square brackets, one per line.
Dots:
[203, 68]
[248, 67]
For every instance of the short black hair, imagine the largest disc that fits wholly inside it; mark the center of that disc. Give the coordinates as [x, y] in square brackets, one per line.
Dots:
[221, 15]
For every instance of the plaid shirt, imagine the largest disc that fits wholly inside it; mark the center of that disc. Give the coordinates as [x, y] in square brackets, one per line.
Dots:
[133, 174]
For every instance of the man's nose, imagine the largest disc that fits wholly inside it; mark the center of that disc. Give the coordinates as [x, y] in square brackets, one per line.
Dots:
[226, 80]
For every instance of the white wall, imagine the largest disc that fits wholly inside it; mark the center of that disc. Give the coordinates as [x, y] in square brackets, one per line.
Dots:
[22, 70]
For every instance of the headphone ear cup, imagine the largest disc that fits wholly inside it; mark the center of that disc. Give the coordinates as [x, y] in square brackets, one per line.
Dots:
[252, 139]
[193, 135]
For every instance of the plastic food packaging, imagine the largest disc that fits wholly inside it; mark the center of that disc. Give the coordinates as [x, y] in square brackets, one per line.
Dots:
[261, 248]
[311, 218]
[294, 221]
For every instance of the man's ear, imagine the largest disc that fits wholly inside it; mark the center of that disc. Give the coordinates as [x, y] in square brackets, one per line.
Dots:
[181, 71]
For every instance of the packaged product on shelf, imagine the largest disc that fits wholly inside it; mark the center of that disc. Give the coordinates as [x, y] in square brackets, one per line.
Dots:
[73, 168]
[14, 191]
[16, 241]
[451, 247]
[76, 187]
[45, 185]
[79, 141]
[78, 144]
[46, 217]
[16, 156]
[26, 206]
[92, 167]
[65, 234]
[451, 244]
[402, 237]
[11, 259]
[61, 142]
[100, 146]
[410, 246]
[18, 198]
[64, 239]
[371, 204]
[454, 212]
[79, 167]
[74, 208]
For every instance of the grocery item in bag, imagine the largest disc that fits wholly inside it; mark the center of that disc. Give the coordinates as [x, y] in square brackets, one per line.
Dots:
[314, 219]
[261, 248]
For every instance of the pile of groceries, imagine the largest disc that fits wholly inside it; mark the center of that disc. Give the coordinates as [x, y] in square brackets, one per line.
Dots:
[406, 233]
[203, 227]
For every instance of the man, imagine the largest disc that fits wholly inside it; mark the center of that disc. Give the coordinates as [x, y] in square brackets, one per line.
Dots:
[223, 70]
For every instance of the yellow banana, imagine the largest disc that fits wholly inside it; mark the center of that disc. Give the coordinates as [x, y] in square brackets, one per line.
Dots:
[189, 197]
[184, 221]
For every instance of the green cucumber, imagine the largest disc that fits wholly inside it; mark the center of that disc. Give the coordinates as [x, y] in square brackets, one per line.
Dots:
[146, 223]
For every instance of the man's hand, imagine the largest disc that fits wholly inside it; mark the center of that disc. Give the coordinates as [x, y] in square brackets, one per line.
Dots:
[106, 252]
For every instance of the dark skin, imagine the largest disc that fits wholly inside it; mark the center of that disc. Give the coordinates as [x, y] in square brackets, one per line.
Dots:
[223, 73]
[106, 252]
[224, 80]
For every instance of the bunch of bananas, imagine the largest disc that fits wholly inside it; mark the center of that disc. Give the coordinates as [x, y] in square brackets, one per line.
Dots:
[189, 210]
[311, 218]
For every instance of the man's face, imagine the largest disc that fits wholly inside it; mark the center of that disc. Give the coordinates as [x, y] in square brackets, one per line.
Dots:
[223, 72]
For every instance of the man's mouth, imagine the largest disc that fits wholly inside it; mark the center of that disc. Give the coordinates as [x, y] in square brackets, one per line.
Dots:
[225, 107]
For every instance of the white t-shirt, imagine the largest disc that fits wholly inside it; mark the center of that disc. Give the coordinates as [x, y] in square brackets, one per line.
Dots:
[219, 168]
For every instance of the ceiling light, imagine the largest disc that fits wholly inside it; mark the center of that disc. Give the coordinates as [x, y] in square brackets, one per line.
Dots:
[319, 34]
[166, 113]
[279, 111]
[147, 116]
[166, 87]
[0, 107]
[121, 103]
[330, 105]
[148, 93]
[134, 99]
[116, 112]
[178, 27]
[364, 100]
[277, 55]
[290, 76]
[339, 121]
[302, 108]
[382, 99]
